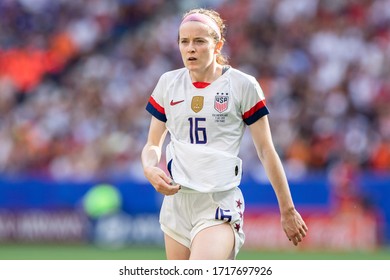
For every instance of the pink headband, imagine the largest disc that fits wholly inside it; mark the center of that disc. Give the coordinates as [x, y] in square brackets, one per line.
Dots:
[203, 19]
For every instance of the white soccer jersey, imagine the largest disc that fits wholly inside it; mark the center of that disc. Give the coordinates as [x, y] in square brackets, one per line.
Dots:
[206, 126]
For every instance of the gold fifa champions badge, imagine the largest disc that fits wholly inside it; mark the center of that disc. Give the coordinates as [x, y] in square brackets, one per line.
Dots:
[197, 103]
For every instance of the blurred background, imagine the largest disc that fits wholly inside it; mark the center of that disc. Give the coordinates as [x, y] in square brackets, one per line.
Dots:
[75, 77]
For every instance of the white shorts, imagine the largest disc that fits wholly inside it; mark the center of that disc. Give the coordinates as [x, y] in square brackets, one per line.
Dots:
[188, 212]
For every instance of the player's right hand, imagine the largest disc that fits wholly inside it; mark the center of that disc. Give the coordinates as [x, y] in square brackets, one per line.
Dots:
[160, 181]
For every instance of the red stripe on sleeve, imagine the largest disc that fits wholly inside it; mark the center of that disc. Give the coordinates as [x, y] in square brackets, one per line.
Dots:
[157, 106]
[254, 109]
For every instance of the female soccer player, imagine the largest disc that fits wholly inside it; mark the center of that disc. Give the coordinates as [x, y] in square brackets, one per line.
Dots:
[206, 106]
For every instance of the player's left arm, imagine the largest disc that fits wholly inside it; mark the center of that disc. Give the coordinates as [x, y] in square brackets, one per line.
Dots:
[292, 222]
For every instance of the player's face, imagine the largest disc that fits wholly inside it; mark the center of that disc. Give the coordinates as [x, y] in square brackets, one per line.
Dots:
[197, 46]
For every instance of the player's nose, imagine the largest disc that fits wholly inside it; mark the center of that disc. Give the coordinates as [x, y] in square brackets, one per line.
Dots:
[191, 48]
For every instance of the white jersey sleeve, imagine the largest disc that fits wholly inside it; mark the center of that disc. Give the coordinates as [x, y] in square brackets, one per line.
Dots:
[156, 101]
[253, 105]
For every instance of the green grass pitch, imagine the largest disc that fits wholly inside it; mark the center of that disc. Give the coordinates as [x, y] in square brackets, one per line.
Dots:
[89, 252]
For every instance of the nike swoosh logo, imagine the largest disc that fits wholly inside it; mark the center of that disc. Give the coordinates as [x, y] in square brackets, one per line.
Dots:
[173, 103]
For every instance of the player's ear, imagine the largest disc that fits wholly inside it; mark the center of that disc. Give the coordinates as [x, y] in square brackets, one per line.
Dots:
[218, 47]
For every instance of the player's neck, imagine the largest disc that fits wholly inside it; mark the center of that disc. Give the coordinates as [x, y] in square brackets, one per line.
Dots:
[208, 76]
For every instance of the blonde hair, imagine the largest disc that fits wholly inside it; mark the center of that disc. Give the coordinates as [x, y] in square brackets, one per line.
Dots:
[214, 15]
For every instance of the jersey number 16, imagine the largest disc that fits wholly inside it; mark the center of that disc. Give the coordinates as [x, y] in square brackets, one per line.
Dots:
[197, 132]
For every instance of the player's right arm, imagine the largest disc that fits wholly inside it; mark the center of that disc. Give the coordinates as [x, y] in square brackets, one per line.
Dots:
[151, 155]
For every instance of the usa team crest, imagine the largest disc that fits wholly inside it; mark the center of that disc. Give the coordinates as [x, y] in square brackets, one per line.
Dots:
[221, 102]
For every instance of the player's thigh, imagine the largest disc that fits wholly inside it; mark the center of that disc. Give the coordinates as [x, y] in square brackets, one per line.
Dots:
[175, 250]
[213, 243]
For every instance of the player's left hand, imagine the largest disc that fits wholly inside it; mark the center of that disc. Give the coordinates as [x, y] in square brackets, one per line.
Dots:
[294, 226]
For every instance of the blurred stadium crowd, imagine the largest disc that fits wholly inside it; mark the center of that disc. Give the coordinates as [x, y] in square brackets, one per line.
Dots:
[75, 77]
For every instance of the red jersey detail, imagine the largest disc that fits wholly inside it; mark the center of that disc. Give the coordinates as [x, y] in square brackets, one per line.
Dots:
[156, 105]
[254, 109]
[173, 103]
[200, 84]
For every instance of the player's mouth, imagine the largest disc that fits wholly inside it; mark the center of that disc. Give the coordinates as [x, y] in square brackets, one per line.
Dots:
[191, 59]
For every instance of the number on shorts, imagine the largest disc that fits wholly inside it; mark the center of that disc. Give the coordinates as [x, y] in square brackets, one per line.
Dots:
[220, 214]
